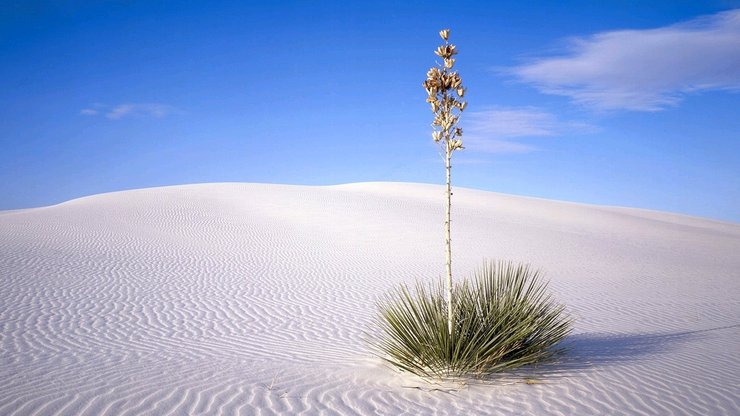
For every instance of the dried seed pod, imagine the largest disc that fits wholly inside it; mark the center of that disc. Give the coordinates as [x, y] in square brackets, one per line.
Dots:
[444, 34]
[446, 51]
[454, 80]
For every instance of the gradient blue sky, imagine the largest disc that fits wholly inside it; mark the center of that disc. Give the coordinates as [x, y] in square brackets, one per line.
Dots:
[629, 103]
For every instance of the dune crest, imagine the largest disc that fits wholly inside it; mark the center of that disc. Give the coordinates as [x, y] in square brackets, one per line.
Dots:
[253, 298]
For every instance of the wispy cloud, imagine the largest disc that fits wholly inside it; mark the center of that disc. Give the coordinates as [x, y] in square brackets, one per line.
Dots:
[643, 70]
[492, 130]
[117, 112]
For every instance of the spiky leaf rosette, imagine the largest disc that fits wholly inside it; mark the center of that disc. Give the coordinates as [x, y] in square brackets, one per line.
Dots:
[504, 318]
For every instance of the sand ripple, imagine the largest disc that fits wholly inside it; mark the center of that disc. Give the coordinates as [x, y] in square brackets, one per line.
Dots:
[250, 299]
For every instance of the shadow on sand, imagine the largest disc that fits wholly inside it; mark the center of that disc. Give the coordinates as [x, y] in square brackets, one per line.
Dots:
[585, 352]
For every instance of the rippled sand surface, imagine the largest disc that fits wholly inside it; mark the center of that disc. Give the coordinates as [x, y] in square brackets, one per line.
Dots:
[254, 299]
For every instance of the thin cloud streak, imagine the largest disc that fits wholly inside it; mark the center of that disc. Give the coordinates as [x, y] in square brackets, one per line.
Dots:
[489, 145]
[643, 70]
[120, 111]
[492, 130]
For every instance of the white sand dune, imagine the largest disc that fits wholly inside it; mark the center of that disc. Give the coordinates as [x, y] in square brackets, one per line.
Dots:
[253, 299]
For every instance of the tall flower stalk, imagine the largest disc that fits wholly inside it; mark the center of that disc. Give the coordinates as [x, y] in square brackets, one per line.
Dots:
[445, 92]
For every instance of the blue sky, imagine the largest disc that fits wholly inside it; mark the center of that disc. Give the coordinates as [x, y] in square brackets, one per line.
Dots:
[625, 103]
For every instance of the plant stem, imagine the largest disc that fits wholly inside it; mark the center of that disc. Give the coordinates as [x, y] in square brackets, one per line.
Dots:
[448, 238]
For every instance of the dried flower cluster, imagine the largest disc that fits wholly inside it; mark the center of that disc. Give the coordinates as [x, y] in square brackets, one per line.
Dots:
[441, 85]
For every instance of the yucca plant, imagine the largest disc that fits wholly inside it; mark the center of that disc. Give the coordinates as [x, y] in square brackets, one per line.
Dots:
[444, 94]
[504, 318]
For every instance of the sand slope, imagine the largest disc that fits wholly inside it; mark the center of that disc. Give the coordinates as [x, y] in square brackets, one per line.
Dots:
[252, 299]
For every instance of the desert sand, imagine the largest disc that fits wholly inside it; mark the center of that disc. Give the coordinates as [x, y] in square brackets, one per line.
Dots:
[255, 299]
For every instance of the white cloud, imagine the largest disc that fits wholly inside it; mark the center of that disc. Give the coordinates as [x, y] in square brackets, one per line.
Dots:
[93, 110]
[489, 145]
[142, 109]
[513, 122]
[117, 112]
[643, 70]
[492, 130]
